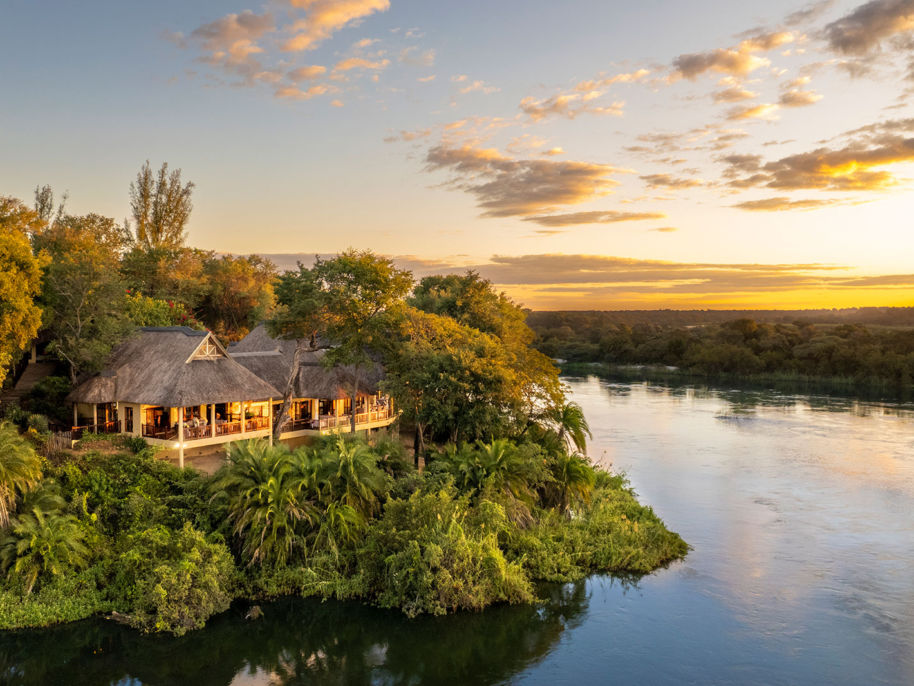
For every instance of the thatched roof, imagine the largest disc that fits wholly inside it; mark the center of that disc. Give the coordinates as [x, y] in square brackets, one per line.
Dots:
[173, 366]
[271, 359]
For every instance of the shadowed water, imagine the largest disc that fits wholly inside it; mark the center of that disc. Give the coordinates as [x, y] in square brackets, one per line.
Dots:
[801, 514]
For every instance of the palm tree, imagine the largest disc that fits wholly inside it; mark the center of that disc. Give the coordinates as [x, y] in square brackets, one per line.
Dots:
[571, 425]
[571, 479]
[20, 470]
[269, 504]
[497, 464]
[43, 544]
[504, 468]
[352, 476]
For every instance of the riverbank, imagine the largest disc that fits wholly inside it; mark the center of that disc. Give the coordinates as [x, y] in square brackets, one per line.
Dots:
[163, 549]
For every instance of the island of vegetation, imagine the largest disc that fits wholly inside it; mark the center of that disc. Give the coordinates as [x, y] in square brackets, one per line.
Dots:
[497, 494]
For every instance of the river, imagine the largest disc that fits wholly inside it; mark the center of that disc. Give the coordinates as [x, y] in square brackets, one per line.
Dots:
[800, 511]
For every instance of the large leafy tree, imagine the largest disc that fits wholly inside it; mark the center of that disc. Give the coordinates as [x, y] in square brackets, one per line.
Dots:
[20, 280]
[349, 303]
[474, 302]
[238, 293]
[161, 205]
[83, 294]
[453, 382]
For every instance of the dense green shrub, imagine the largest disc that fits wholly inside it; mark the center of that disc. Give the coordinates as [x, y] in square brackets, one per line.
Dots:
[174, 580]
[432, 554]
[613, 533]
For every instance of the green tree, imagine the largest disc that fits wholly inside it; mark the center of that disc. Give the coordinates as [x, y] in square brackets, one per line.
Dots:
[20, 281]
[350, 302]
[20, 469]
[238, 295]
[83, 294]
[43, 545]
[145, 311]
[44, 205]
[473, 301]
[174, 274]
[161, 206]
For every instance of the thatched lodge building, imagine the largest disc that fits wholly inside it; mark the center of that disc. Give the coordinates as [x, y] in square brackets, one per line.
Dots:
[181, 390]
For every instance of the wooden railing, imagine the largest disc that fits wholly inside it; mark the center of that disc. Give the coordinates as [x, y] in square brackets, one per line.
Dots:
[257, 424]
[163, 433]
[78, 432]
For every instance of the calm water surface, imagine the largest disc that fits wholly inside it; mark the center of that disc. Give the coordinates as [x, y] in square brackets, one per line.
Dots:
[800, 513]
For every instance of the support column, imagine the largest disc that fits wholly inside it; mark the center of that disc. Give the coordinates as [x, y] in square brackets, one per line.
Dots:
[336, 413]
[75, 414]
[181, 437]
[270, 423]
[95, 415]
[212, 421]
[244, 421]
[34, 357]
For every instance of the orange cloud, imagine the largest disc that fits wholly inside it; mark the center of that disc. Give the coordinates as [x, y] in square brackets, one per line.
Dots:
[670, 181]
[798, 98]
[307, 73]
[597, 217]
[738, 61]
[508, 187]
[783, 203]
[858, 166]
[351, 63]
[864, 29]
[764, 111]
[325, 17]
[569, 105]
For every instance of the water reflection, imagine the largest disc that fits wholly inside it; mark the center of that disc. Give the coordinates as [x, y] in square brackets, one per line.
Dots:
[301, 641]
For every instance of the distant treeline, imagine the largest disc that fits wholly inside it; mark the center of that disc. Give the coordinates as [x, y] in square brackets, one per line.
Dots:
[742, 347]
[598, 320]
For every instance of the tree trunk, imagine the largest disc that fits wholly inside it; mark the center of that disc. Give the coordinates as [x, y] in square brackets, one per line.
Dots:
[420, 431]
[283, 415]
[352, 398]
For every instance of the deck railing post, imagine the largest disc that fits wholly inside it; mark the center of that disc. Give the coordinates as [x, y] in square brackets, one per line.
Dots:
[181, 437]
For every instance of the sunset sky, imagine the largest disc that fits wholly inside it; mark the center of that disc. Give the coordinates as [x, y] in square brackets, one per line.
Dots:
[581, 154]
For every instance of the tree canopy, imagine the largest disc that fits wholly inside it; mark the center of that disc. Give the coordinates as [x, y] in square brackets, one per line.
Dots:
[20, 281]
[83, 292]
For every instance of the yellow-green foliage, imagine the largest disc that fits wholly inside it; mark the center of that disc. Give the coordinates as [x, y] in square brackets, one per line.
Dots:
[175, 580]
[613, 533]
[67, 598]
[431, 554]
